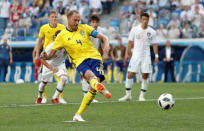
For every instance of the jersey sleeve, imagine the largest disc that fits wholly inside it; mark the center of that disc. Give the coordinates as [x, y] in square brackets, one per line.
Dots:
[131, 35]
[41, 34]
[58, 44]
[154, 38]
[91, 31]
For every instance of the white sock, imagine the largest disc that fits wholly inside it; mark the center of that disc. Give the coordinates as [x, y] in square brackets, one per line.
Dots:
[85, 86]
[128, 85]
[143, 87]
[41, 89]
[60, 87]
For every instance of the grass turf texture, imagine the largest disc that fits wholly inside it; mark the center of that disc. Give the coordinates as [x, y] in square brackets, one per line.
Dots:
[186, 115]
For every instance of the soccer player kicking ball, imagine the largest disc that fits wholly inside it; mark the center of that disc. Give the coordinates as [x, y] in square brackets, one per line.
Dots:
[75, 39]
[55, 65]
[94, 22]
[141, 37]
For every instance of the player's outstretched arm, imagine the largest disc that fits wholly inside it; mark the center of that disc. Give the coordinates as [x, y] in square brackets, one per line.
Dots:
[36, 50]
[49, 56]
[49, 66]
[155, 48]
[128, 49]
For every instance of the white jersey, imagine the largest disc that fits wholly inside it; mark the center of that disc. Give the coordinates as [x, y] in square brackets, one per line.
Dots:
[97, 41]
[142, 40]
[58, 58]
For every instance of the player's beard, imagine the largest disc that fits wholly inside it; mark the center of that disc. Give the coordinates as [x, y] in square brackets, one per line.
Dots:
[75, 27]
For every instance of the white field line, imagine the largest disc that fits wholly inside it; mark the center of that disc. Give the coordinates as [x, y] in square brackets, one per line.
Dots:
[32, 105]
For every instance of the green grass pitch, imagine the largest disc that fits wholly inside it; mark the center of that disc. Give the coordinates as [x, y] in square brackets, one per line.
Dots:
[19, 113]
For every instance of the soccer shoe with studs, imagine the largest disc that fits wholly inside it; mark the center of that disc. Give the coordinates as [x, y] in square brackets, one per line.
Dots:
[125, 98]
[55, 101]
[44, 100]
[78, 117]
[39, 100]
[103, 90]
[62, 101]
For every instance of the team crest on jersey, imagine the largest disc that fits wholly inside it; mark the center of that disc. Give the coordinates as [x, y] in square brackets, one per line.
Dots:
[149, 35]
[82, 33]
[69, 38]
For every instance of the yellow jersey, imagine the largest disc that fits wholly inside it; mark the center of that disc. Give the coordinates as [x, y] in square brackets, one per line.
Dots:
[78, 44]
[48, 33]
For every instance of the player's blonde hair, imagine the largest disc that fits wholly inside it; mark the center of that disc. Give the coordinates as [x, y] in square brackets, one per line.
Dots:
[52, 12]
[71, 13]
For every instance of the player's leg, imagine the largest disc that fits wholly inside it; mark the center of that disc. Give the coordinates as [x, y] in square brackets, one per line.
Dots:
[59, 89]
[115, 73]
[128, 87]
[121, 72]
[133, 67]
[61, 76]
[46, 75]
[41, 89]
[87, 68]
[109, 69]
[44, 99]
[85, 88]
[144, 86]
[146, 68]
[61, 99]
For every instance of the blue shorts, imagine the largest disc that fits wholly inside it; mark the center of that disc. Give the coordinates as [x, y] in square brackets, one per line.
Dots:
[120, 64]
[106, 64]
[68, 64]
[93, 65]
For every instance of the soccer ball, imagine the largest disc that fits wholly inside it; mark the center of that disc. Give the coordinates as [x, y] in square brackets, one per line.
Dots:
[166, 101]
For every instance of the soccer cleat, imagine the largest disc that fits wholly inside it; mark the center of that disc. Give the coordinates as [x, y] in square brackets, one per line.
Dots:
[103, 90]
[39, 100]
[125, 98]
[55, 101]
[94, 101]
[62, 101]
[141, 98]
[78, 117]
[44, 100]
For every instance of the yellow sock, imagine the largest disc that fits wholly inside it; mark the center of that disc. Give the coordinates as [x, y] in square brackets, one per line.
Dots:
[86, 101]
[106, 77]
[121, 77]
[115, 72]
[109, 75]
[93, 83]
[73, 75]
[45, 92]
[57, 78]
[61, 95]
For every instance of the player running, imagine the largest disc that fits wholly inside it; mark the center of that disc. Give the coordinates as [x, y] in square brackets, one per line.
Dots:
[55, 65]
[141, 37]
[88, 61]
[47, 36]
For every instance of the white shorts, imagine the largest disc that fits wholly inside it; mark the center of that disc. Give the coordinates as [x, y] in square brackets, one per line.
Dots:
[140, 65]
[47, 74]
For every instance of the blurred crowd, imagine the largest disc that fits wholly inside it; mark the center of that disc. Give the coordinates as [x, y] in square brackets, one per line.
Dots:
[20, 18]
[172, 19]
